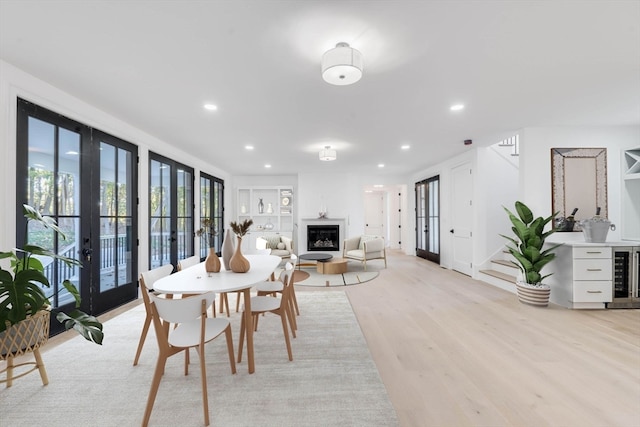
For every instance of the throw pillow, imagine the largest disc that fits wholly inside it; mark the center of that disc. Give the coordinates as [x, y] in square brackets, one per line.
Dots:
[365, 238]
[281, 245]
[272, 241]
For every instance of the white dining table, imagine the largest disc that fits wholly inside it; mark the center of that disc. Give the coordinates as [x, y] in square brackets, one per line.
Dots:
[195, 279]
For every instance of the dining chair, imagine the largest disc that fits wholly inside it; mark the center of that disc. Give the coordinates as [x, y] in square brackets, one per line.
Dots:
[190, 262]
[268, 304]
[194, 329]
[274, 287]
[147, 279]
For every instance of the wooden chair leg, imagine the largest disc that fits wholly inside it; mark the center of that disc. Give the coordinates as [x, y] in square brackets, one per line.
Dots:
[40, 365]
[295, 300]
[286, 335]
[157, 376]
[143, 337]
[203, 375]
[242, 332]
[232, 360]
[9, 371]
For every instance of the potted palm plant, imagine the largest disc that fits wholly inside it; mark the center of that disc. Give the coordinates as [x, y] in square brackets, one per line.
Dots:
[23, 296]
[529, 255]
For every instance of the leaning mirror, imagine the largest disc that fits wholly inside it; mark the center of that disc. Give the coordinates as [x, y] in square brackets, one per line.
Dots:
[579, 180]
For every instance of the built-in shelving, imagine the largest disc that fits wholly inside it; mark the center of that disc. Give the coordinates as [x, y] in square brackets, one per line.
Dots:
[631, 194]
[271, 209]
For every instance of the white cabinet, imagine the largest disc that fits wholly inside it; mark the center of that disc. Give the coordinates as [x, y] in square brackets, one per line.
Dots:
[271, 209]
[582, 275]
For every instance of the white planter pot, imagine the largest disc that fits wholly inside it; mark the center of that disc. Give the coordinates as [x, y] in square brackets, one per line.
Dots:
[533, 295]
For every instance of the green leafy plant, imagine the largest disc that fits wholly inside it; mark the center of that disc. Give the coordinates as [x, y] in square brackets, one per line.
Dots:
[21, 287]
[241, 229]
[528, 242]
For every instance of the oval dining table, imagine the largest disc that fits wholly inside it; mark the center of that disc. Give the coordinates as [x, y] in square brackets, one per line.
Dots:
[195, 280]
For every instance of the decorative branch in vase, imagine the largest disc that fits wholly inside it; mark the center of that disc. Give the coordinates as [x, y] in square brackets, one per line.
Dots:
[212, 262]
[238, 263]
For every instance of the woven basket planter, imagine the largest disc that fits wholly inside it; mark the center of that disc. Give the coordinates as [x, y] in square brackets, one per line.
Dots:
[533, 295]
[25, 337]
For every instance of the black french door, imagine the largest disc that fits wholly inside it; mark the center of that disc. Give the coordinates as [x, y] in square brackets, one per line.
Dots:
[428, 219]
[171, 206]
[86, 180]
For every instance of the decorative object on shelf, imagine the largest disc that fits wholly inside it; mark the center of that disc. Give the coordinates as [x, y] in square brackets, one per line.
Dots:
[238, 263]
[227, 249]
[268, 226]
[269, 208]
[322, 213]
[327, 154]
[286, 201]
[243, 209]
[342, 65]
[529, 256]
[260, 206]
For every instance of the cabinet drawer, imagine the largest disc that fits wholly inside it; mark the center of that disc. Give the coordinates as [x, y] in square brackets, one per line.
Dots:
[592, 291]
[592, 252]
[592, 269]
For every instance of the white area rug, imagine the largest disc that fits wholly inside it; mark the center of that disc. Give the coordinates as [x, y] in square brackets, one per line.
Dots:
[332, 380]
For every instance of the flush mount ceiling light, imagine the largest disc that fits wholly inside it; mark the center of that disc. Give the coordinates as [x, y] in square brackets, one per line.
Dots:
[342, 65]
[328, 155]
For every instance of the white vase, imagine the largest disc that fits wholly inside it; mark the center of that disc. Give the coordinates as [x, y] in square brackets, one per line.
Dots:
[227, 249]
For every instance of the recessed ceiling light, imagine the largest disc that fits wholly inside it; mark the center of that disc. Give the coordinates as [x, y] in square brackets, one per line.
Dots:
[210, 107]
[378, 186]
[457, 107]
[380, 165]
[405, 147]
[248, 147]
[267, 166]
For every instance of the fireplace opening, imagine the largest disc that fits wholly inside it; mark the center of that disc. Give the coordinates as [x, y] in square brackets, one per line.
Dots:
[323, 238]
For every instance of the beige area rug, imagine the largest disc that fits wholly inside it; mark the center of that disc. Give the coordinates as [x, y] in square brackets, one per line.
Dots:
[332, 380]
[355, 275]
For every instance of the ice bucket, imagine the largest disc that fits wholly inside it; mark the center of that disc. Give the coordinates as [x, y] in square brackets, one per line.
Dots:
[596, 230]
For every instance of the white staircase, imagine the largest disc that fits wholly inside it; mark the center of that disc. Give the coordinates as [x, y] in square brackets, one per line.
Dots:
[502, 273]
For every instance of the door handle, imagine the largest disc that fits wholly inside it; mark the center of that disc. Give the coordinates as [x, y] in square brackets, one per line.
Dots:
[451, 231]
[86, 253]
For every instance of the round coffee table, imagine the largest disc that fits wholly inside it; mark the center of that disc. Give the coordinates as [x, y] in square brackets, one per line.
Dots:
[314, 256]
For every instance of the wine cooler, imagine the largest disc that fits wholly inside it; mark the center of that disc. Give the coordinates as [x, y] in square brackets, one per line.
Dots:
[626, 277]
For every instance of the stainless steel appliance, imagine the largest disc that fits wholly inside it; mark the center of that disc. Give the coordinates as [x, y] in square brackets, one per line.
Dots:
[626, 277]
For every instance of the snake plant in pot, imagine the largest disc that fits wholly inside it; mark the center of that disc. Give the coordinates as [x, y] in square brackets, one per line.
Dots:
[24, 285]
[529, 255]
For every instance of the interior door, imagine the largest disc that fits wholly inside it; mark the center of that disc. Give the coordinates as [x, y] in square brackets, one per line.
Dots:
[374, 213]
[74, 174]
[462, 218]
[428, 219]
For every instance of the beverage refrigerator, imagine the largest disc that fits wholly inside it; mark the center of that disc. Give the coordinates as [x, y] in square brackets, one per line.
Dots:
[626, 277]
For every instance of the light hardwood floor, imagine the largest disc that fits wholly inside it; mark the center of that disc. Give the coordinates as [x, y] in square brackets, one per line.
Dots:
[453, 351]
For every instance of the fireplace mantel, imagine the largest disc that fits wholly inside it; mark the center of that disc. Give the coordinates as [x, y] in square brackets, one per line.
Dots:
[340, 222]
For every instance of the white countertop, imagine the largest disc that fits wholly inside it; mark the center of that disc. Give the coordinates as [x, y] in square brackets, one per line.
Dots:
[576, 238]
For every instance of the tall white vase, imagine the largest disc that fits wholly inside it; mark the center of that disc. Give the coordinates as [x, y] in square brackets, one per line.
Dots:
[227, 249]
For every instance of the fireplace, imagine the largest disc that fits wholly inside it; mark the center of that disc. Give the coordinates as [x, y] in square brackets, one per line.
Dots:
[323, 237]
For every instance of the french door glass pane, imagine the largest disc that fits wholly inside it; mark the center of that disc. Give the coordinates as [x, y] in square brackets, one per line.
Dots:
[185, 214]
[115, 217]
[54, 168]
[160, 204]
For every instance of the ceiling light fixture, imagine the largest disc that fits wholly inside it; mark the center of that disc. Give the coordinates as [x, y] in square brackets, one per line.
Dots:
[342, 65]
[457, 107]
[210, 107]
[328, 155]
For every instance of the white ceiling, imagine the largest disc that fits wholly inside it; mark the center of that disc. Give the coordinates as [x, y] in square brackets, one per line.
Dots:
[513, 64]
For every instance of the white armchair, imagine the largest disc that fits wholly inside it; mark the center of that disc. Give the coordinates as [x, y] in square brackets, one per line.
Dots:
[281, 246]
[365, 248]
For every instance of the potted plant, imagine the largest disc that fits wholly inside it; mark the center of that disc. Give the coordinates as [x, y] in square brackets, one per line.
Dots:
[529, 255]
[212, 262]
[22, 293]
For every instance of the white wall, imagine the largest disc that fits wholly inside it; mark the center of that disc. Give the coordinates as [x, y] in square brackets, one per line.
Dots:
[535, 162]
[15, 83]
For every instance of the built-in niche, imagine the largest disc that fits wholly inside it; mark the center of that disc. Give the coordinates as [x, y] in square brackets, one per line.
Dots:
[579, 180]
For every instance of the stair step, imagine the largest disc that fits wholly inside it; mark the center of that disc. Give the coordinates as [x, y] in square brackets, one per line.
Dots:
[505, 263]
[499, 275]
